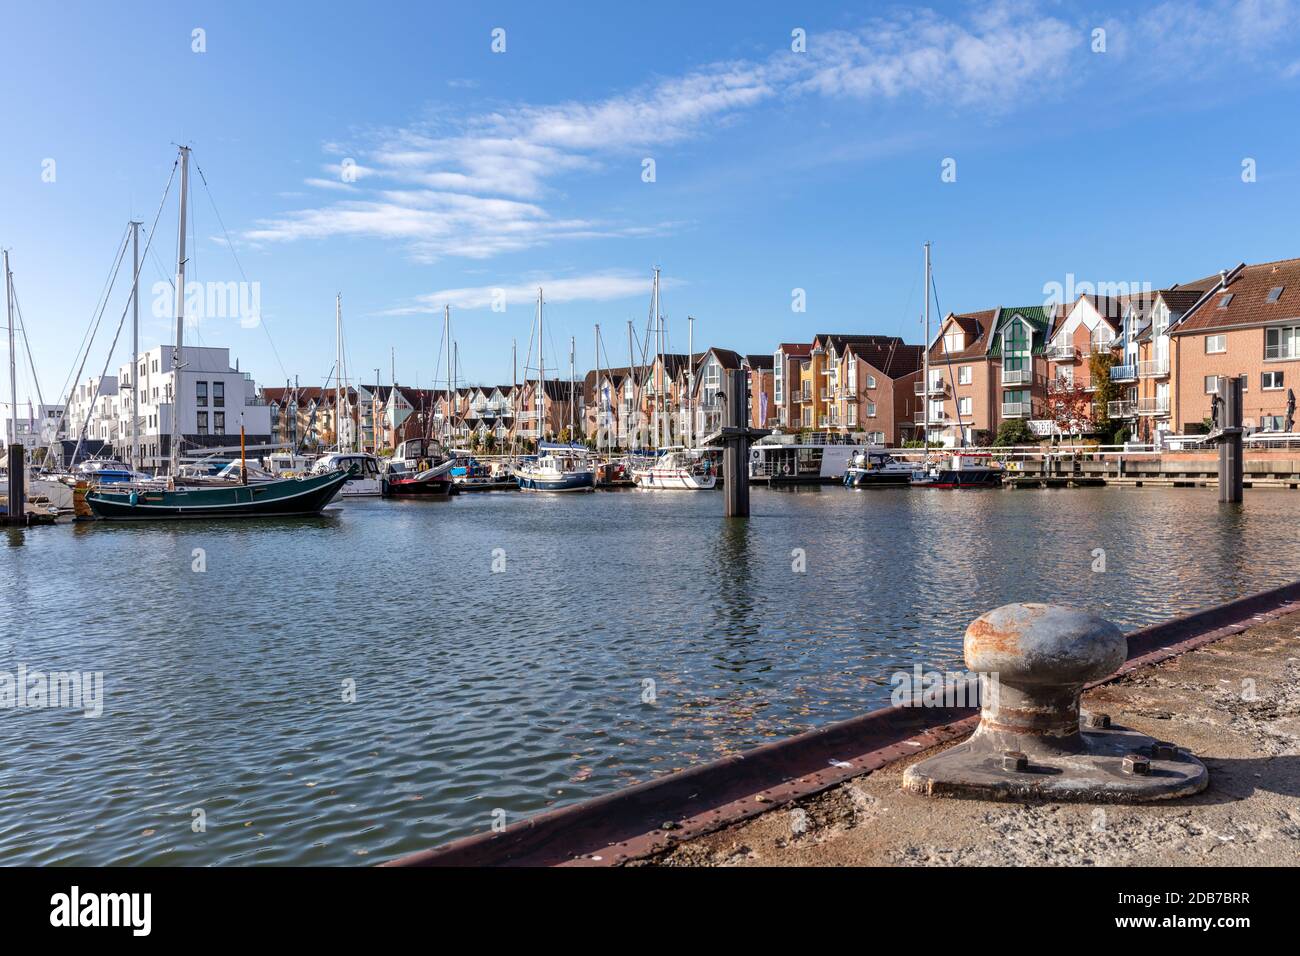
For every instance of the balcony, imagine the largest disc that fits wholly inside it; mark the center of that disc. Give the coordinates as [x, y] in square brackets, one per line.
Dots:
[936, 417]
[936, 388]
[1062, 353]
[1022, 376]
[1157, 368]
[1122, 409]
[1153, 406]
[1016, 409]
[1123, 373]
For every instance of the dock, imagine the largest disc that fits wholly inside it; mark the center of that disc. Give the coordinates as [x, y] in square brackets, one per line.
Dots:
[1222, 682]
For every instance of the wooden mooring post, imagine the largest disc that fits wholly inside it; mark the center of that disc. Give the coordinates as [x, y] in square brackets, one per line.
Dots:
[17, 506]
[735, 436]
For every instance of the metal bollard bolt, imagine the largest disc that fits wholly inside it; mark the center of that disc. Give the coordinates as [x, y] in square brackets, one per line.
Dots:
[1015, 761]
[1034, 661]
[1137, 764]
[1043, 655]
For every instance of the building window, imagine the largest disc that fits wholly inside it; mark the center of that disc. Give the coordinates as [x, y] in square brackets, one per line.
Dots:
[778, 378]
[1270, 380]
[963, 375]
[218, 394]
[1216, 343]
[1271, 423]
[1211, 384]
[203, 423]
[1282, 343]
[218, 423]
[1015, 348]
[875, 438]
[853, 415]
[871, 409]
[871, 381]
[201, 394]
[966, 405]
[954, 342]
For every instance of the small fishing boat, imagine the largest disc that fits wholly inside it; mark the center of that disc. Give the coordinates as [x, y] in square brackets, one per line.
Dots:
[281, 497]
[432, 482]
[364, 478]
[614, 474]
[470, 474]
[557, 468]
[870, 468]
[677, 469]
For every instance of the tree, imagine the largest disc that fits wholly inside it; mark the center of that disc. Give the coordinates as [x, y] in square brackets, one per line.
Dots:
[1070, 406]
[1014, 431]
[1104, 390]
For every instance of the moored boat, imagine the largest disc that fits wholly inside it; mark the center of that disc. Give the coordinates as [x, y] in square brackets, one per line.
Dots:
[557, 468]
[364, 479]
[282, 497]
[871, 468]
[677, 469]
[962, 471]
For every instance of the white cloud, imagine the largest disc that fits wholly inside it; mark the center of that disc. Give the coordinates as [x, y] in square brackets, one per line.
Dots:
[599, 287]
[477, 186]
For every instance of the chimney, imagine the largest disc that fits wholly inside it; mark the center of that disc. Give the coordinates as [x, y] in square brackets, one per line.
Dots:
[1223, 277]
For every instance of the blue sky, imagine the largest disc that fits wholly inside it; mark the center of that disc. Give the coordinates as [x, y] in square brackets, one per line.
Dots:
[774, 170]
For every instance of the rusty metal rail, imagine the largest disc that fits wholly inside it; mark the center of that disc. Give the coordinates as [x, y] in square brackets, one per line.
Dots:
[653, 816]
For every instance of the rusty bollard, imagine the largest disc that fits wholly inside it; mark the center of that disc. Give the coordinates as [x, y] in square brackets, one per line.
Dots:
[1032, 743]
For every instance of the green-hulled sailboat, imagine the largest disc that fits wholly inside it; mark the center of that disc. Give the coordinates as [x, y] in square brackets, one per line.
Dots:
[264, 499]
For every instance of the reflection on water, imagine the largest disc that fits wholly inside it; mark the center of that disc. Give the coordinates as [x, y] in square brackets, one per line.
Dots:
[524, 688]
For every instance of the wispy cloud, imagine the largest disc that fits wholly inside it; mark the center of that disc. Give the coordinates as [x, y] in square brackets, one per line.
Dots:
[477, 186]
[598, 287]
[480, 185]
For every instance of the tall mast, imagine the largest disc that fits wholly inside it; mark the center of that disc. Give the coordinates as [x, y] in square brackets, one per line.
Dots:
[631, 379]
[541, 373]
[135, 347]
[572, 401]
[514, 390]
[338, 371]
[925, 386]
[13, 369]
[177, 365]
[596, 390]
[690, 380]
[450, 403]
[654, 381]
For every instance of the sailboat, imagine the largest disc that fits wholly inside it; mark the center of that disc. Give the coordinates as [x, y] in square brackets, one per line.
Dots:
[235, 499]
[678, 469]
[557, 467]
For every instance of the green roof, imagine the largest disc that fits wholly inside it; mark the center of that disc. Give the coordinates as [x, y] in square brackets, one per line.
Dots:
[1039, 322]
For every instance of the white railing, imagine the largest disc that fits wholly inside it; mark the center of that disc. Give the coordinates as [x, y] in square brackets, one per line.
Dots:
[936, 388]
[1062, 353]
[1156, 368]
[1022, 376]
[1016, 409]
[1153, 406]
[1121, 409]
[935, 416]
[1123, 373]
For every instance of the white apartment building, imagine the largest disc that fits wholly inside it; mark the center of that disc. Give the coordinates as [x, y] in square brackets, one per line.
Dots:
[37, 426]
[94, 406]
[216, 398]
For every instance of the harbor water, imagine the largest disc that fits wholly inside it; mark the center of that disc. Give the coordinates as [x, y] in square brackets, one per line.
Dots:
[393, 675]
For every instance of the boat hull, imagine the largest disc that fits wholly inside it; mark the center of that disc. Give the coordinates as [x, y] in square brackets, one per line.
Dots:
[954, 478]
[578, 481]
[439, 486]
[856, 478]
[675, 480]
[287, 498]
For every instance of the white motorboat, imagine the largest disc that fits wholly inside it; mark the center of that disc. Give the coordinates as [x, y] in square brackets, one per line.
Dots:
[677, 469]
[365, 480]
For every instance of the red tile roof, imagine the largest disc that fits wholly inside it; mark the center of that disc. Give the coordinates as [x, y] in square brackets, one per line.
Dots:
[1249, 288]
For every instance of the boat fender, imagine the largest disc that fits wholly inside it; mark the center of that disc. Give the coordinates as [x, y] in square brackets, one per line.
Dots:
[134, 498]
